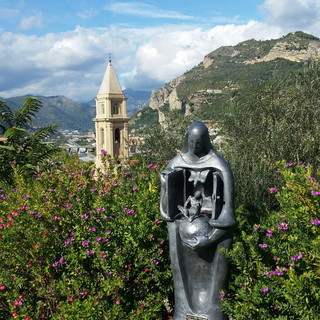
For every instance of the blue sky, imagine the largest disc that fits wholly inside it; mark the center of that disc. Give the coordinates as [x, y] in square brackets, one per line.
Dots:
[61, 47]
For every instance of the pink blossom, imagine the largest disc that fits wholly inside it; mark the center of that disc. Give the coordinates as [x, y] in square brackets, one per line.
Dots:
[222, 296]
[85, 243]
[296, 257]
[130, 211]
[84, 293]
[283, 226]
[273, 190]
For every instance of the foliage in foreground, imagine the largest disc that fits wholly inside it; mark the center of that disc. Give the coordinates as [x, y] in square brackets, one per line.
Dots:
[25, 147]
[276, 263]
[79, 246]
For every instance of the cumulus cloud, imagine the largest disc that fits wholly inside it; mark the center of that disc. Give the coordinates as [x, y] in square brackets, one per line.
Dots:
[293, 15]
[172, 52]
[72, 63]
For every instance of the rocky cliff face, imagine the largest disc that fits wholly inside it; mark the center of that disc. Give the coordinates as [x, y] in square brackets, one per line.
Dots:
[166, 95]
[293, 51]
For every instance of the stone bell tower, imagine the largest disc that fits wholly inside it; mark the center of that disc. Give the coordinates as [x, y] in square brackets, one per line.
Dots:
[111, 120]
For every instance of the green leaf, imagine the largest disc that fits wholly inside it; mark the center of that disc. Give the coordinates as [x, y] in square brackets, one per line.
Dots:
[7, 147]
[14, 131]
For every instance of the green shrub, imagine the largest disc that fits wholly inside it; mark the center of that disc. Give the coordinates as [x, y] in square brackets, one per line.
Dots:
[276, 263]
[276, 120]
[77, 244]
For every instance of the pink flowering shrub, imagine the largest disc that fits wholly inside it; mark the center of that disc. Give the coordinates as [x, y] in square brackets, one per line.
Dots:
[275, 265]
[75, 244]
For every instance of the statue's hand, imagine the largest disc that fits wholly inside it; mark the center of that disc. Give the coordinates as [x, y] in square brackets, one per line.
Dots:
[197, 242]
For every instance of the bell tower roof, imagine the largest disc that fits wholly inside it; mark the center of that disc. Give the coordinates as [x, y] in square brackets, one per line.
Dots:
[110, 83]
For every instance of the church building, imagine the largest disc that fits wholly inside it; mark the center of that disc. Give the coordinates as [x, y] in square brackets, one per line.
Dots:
[111, 120]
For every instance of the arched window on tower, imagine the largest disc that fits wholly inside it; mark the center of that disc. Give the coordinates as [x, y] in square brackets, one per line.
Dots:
[117, 141]
[101, 145]
[115, 108]
[117, 135]
[102, 108]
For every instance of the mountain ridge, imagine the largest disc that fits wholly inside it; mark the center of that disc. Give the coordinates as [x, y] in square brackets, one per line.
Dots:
[73, 115]
[228, 69]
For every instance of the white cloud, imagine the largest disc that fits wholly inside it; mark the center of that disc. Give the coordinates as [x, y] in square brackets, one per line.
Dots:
[73, 63]
[144, 9]
[70, 63]
[34, 21]
[293, 15]
[172, 52]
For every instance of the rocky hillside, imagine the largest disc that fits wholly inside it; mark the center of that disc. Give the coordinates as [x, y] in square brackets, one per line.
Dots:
[209, 86]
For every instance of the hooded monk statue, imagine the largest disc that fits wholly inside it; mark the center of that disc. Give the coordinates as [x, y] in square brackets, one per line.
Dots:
[197, 203]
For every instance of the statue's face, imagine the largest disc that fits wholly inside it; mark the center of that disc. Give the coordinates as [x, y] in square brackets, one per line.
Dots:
[196, 144]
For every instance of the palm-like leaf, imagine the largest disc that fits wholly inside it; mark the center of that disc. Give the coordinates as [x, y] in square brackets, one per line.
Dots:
[24, 147]
[14, 131]
[44, 133]
[24, 115]
[6, 116]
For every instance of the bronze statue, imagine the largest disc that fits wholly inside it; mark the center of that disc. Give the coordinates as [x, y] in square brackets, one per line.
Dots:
[197, 203]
